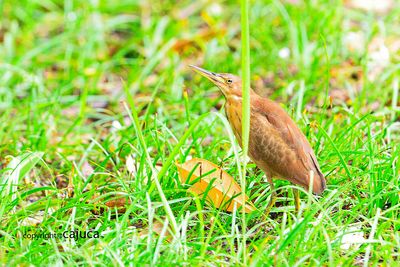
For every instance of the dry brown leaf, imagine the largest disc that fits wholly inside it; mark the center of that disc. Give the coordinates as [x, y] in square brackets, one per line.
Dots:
[118, 202]
[157, 227]
[339, 95]
[182, 45]
[224, 192]
[205, 34]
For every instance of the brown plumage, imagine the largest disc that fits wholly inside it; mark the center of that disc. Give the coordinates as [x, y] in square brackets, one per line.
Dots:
[276, 144]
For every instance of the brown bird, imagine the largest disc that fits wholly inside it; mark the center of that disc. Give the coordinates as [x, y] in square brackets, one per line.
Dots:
[276, 145]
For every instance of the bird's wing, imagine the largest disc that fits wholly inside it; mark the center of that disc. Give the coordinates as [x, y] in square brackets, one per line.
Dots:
[291, 135]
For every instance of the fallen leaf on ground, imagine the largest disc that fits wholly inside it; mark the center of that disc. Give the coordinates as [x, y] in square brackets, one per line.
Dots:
[159, 228]
[120, 203]
[221, 189]
[206, 33]
[339, 94]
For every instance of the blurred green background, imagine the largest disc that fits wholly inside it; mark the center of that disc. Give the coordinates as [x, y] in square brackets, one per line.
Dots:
[333, 65]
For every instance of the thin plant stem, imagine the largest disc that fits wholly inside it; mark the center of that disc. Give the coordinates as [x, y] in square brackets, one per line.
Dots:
[245, 108]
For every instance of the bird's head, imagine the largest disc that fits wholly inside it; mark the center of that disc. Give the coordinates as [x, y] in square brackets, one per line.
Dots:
[229, 84]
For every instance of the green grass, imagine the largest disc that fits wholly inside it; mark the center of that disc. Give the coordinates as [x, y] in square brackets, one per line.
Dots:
[85, 86]
[245, 49]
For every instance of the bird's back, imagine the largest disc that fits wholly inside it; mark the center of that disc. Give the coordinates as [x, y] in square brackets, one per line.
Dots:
[276, 144]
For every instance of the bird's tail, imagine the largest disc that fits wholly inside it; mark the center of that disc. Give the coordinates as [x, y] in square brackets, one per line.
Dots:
[319, 182]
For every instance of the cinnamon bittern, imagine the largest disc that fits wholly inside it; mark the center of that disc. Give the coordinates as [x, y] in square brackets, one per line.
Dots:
[276, 145]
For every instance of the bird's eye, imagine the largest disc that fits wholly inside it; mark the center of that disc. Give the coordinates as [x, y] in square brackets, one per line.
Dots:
[229, 81]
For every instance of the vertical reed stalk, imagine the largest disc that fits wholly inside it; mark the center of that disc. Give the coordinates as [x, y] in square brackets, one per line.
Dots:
[246, 108]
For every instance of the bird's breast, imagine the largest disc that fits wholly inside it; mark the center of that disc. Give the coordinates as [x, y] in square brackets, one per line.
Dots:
[265, 144]
[233, 111]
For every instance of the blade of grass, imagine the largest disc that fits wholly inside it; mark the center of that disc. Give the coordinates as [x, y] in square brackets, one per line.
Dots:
[134, 117]
[342, 161]
[371, 237]
[16, 170]
[245, 107]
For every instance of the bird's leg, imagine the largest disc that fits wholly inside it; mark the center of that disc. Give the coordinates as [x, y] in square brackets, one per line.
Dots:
[273, 197]
[296, 195]
[256, 184]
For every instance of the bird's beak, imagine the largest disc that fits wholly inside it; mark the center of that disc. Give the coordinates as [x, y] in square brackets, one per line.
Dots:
[214, 77]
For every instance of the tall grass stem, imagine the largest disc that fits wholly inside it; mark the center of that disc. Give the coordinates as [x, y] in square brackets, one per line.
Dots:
[245, 107]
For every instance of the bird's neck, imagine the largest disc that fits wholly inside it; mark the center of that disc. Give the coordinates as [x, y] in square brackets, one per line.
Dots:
[236, 95]
[233, 98]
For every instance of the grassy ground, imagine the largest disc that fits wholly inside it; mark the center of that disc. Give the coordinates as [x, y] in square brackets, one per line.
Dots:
[68, 144]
